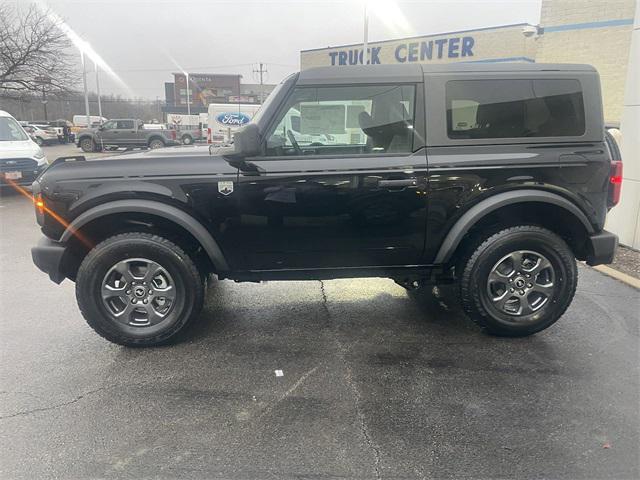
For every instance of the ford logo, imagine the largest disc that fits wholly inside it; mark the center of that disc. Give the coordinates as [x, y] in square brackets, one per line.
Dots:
[233, 119]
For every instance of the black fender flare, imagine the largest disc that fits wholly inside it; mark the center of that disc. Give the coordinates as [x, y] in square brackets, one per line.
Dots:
[179, 217]
[481, 209]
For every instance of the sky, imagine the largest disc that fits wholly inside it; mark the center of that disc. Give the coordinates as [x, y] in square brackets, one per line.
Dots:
[143, 40]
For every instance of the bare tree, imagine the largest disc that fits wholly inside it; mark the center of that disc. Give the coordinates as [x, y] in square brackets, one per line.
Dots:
[34, 52]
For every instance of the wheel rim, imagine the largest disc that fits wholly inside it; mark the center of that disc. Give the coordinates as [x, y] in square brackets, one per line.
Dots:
[138, 292]
[521, 283]
[87, 144]
[156, 144]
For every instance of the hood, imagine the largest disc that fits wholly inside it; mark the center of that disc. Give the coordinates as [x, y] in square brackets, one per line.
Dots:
[20, 149]
[140, 166]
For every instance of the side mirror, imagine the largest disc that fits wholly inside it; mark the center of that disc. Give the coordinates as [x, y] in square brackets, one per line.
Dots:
[247, 141]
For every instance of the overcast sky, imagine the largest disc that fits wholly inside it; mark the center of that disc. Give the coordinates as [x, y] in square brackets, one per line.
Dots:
[137, 38]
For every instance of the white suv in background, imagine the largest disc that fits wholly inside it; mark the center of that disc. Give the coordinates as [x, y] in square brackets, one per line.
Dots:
[42, 134]
[21, 160]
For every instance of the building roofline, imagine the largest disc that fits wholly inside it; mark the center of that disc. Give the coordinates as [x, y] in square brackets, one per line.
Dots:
[210, 74]
[421, 36]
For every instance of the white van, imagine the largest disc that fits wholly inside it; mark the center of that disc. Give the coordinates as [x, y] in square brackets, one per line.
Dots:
[21, 160]
[226, 118]
[80, 121]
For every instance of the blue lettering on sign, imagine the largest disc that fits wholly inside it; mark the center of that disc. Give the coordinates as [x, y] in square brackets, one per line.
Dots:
[426, 50]
[467, 45]
[454, 47]
[233, 119]
[354, 57]
[440, 43]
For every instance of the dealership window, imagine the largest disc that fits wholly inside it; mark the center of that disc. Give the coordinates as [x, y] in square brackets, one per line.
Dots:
[514, 108]
[345, 120]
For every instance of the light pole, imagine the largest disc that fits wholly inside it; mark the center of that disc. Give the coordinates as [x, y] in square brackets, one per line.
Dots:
[188, 96]
[86, 92]
[365, 43]
[98, 89]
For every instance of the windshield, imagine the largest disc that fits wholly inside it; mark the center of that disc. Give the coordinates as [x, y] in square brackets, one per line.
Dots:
[11, 131]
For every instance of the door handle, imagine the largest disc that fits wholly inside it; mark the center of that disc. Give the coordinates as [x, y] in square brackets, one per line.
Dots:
[405, 182]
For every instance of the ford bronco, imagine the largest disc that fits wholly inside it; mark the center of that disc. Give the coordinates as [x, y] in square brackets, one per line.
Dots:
[497, 177]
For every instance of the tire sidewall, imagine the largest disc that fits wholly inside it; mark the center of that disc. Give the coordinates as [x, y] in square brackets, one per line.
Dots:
[563, 263]
[87, 145]
[157, 143]
[96, 266]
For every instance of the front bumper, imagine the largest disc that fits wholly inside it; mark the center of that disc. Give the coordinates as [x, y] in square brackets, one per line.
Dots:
[28, 176]
[47, 256]
[601, 248]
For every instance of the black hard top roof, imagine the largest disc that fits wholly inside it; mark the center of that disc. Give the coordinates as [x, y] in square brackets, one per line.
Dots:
[414, 72]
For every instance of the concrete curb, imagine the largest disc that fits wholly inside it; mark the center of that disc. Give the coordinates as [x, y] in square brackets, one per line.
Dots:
[623, 277]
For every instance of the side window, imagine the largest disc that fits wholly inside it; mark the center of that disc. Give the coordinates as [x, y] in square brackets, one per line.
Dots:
[345, 120]
[514, 108]
[125, 124]
[110, 125]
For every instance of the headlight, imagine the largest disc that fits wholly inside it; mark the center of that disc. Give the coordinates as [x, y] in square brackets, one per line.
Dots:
[40, 157]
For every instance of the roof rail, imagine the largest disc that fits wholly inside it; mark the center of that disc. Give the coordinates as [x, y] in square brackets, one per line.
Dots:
[75, 158]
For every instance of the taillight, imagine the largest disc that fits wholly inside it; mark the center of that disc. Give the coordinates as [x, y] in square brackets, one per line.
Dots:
[615, 183]
[209, 139]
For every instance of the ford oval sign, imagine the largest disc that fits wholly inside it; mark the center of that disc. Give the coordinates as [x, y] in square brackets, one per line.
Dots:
[233, 119]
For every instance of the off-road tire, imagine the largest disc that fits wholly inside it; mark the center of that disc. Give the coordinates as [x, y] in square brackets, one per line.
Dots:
[155, 143]
[481, 257]
[88, 145]
[189, 287]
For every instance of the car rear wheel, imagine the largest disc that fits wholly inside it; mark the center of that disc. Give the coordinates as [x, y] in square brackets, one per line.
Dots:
[518, 281]
[87, 145]
[156, 143]
[187, 140]
[139, 289]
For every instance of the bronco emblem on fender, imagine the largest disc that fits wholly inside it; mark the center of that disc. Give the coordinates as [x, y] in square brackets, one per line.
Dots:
[225, 188]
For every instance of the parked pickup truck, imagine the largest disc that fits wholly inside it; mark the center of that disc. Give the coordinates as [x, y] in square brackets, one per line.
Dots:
[494, 176]
[124, 132]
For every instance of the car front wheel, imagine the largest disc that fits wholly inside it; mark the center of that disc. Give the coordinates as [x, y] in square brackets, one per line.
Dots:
[87, 145]
[518, 281]
[139, 289]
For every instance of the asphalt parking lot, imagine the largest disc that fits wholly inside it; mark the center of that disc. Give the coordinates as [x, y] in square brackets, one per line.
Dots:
[375, 385]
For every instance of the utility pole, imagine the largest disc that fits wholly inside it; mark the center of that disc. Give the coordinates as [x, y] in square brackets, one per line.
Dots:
[261, 71]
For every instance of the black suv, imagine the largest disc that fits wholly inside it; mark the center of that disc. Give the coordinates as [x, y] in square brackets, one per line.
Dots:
[494, 176]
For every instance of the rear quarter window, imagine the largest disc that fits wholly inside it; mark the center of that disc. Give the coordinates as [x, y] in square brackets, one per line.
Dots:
[514, 108]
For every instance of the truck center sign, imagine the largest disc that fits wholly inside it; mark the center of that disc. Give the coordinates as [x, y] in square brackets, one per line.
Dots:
[454, 47]
[505, 43]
